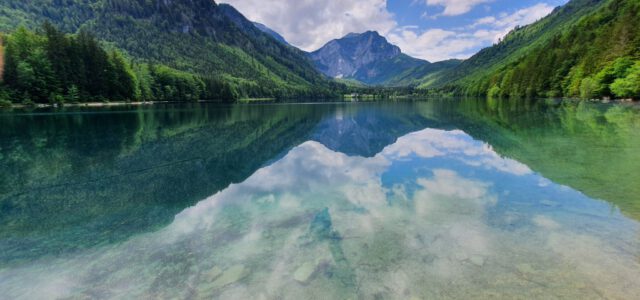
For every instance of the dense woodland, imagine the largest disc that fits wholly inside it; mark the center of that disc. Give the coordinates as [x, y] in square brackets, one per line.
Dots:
[205, 44]
[48, 66]
[586, 49]
[185, 51]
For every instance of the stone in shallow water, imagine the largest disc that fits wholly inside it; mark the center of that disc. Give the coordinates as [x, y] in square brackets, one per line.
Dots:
[305, 272]
[212, 274]
[460, 256]
[230, 276]
[525, 268]
[477, 260]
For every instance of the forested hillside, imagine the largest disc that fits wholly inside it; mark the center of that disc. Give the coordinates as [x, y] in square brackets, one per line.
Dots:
[49, 66]
[196, 37]
[587, 48]
[412, 77]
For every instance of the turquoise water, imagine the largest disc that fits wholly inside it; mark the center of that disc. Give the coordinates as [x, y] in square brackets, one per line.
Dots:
[406, 200]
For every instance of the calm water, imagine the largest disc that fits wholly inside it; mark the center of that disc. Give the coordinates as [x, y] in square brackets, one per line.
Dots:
[409, 200]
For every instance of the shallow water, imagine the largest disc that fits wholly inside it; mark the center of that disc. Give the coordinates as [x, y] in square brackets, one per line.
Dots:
[409, 200]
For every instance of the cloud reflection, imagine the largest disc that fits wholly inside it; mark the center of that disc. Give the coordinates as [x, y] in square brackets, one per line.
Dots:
[318, 223]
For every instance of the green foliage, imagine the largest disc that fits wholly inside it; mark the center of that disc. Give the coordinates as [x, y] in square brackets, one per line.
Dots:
[392, 70]
[4, 99]
[417, 75]
[580, 50]
[172, 85]
[39, 65]
[73, 94]
[197, 37]
[51, 67]
[628, 85]
[144, 82]
[494, 92]
[588, 88]
[56, 99]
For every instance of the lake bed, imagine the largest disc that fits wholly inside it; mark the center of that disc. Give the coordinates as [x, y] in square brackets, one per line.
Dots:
[388, 200]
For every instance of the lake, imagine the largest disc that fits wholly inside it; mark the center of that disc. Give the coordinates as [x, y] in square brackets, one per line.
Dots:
[459, 199]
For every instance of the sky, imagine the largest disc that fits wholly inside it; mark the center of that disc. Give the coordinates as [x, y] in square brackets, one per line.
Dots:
[434, 30]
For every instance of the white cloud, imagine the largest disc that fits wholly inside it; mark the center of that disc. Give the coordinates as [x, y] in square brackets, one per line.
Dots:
[434, 44]
[456, 7]
[501, 25]
[440, 44]
[430, 143]
[446, 232]
[309, 24]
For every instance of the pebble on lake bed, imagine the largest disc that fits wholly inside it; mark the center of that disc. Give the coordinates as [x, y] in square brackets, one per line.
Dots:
[212, 274]
[525, 269]
[305, 272]
[477, 260]
[230, 276]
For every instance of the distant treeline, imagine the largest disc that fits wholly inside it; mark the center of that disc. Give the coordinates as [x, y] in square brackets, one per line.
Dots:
[48, 66]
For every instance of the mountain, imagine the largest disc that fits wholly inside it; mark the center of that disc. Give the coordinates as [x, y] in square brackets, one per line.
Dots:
[343, 58]
[366, 57]
[586, 48]
[196, 36]
[413, 76]
[271, 32]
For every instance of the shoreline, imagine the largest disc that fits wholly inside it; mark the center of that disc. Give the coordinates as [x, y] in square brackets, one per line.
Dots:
[87, 104]
[263, 100]
[100, 104]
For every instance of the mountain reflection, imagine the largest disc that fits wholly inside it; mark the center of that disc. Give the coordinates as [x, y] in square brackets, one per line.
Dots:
[435, 213]
[77, 180]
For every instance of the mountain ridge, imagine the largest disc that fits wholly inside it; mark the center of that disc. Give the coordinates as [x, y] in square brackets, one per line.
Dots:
[366, 57]
[583, 49]
[274, 34]
[196, 36]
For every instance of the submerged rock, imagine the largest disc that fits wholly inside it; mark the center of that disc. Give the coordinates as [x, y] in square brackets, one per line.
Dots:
[212, 274]
[460, 256]
[525, 268]
[305, 272]
[477, 260]
[230, 276]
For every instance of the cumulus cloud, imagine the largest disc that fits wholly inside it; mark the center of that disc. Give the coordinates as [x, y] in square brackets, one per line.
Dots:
[456, 7]
[309, 24]
[429, 143]
[461, 43]
[502, 24]
[250, 239]
[435, 44]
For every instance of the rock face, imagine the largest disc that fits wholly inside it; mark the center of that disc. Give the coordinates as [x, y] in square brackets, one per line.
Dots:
[366, 57]
[343, 57]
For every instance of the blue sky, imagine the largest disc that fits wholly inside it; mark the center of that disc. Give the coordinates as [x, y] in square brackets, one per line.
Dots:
[409, 13]
[429, 29]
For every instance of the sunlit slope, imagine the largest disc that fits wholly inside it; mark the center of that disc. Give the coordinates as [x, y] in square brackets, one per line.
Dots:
[578, 50]
[197, 36]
